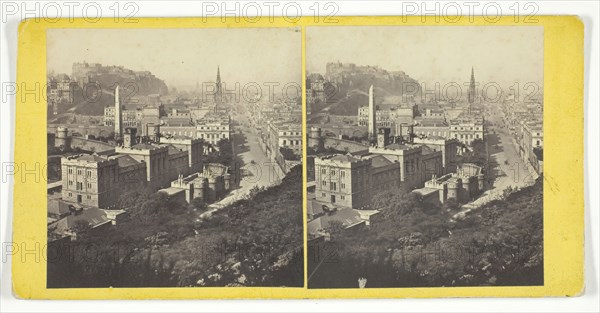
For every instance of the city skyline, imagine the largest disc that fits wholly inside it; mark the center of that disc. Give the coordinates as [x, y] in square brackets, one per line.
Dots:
[435, 54]
[174, 58]
[394, 171]
[175, 170]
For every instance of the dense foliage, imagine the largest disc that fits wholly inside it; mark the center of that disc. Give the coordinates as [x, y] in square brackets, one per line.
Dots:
[410, 244]
[253, 242]
[288, 154]
[223, 153]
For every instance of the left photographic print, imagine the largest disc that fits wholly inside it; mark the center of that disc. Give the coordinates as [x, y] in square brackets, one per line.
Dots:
[174, 157]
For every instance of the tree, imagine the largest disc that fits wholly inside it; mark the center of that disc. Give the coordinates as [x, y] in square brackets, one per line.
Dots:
[198, 204]
[394, 203]
[451, 204]
[80, 227]
[288, 154]
[477, 153]
[334, 228]
[223, 155]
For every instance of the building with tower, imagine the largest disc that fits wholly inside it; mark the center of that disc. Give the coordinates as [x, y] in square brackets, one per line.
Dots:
[218, 90]
[372, 117]
[118, 115]
[462, 186]
[389, 113]
[208, 185]
[62, 139]
[472, 96]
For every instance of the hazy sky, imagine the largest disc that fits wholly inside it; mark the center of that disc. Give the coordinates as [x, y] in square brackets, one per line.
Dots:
[502, 54]
[183, 56]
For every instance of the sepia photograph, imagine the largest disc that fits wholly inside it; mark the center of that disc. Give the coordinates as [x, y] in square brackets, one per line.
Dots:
[424, 156]
[174, 157]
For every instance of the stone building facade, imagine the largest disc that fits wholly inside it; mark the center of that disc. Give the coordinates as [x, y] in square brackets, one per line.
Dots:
[97, 180]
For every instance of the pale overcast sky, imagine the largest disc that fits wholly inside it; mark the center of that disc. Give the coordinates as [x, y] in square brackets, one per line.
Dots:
[502, 54]
[183, 56]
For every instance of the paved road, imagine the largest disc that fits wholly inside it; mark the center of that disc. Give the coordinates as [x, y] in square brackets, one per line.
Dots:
[254, 165]
[258, 168]
[504, 161]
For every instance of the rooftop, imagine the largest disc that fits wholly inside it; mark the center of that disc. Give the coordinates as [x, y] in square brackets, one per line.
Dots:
[177, 121]
[398, 146]
[172, 149]
[89, 158]
[143, 146]
[344, 158]
[348, 217]
[124, 160]
[425, 191]
[215, 169]
[425, 122]
[58, 207]
[379, 160]
[170, 191]
[93, 216]
[313, 207]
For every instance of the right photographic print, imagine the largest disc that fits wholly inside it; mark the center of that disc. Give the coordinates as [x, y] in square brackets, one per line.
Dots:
[424, 156]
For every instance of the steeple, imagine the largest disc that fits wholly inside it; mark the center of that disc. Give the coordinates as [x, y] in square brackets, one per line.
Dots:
[218, 92]
[472, 94]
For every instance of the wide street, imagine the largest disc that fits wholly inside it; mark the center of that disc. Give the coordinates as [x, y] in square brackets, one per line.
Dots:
[505, 167]
[252, 164]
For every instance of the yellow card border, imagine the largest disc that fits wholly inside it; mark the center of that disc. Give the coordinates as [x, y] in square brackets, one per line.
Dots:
[563, 166]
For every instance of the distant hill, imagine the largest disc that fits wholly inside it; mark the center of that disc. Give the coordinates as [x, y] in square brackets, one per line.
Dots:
[141, 83]
[94, 86]
[347, 86]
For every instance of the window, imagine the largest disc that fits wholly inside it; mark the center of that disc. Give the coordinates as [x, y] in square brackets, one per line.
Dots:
[342, 174]
[89, 185]
[343, 197]
[324, 194]
[343, 186]
[332, 172]
[333, 186]
[324, 171]
[324, 183]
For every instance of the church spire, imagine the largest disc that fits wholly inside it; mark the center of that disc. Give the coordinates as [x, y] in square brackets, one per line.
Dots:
[218, 91]
[471, 96]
